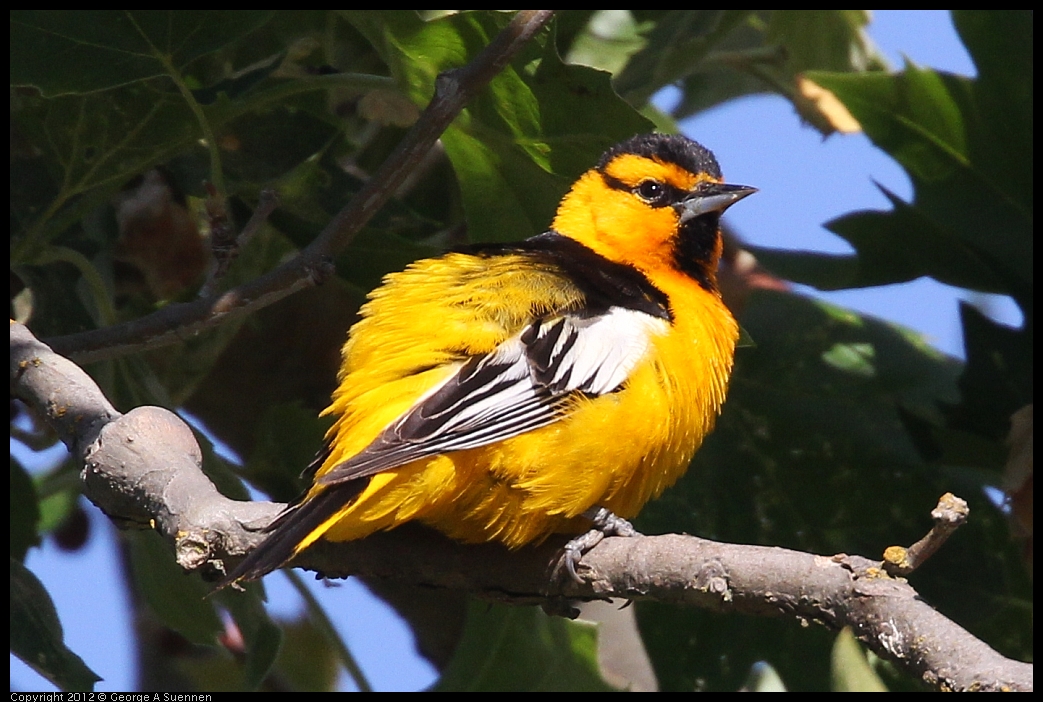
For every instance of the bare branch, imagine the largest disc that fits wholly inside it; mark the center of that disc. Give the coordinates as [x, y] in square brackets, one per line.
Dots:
[143, 468]
[224, 248]
[886, 614]
[173, 323]
[948, 516]
[66, 397]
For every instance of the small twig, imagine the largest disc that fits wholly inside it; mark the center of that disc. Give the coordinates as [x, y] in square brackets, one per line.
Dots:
[224, 248]
[948, 516]
[222, 238]
[266, 204]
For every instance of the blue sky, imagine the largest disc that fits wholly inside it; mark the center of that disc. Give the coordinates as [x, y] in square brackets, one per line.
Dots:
[804, 182]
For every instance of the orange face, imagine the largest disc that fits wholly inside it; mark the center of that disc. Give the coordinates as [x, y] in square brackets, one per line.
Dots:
[635, 229]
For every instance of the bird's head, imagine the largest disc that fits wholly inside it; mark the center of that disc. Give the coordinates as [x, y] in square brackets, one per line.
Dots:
[654, 202]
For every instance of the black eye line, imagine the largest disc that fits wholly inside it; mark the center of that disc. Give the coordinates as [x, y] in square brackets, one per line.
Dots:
[668, 195]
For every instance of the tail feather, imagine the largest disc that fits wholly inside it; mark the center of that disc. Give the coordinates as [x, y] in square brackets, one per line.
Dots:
[290, 529]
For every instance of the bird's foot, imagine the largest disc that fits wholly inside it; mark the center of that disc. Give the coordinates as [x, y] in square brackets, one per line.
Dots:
[605, 523]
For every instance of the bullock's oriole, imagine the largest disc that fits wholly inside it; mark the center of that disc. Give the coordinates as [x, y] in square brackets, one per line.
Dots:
[508, 392]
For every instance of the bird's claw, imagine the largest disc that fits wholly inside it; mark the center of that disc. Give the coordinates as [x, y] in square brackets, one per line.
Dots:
[605, 523]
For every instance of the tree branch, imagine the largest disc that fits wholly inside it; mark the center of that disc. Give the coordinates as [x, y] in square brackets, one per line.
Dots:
[143, 468]
[453, 90]
[950, 514]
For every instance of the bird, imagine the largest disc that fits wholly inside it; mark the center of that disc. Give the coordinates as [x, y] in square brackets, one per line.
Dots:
[507, 392]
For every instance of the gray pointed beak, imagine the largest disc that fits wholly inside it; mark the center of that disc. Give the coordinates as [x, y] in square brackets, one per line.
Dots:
[712, 197]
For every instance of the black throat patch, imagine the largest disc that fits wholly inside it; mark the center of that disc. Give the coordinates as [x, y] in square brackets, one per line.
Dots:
[695, 251]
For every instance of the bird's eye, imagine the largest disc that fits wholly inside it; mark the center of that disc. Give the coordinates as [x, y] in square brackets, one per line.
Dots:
[651, 191]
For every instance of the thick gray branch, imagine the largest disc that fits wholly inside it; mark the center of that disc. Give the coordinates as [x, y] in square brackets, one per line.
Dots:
[144, 468]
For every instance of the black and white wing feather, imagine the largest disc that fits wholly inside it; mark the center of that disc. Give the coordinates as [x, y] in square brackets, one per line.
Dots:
[526, 383]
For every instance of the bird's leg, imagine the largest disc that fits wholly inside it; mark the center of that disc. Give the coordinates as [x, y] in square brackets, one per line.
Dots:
[609, 524]
[605, 523]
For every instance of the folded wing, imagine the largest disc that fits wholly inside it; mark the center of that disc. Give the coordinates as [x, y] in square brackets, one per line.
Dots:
[527, 382]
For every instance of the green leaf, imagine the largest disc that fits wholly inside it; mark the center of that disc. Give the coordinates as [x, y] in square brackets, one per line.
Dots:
[854, 359]
[56, 304]
[221, 473]
[56, 508]
[262, 636]
[521, 649]
[717, 55]
[605, 42]
[819, 270]
[970, 223]
[24, 512]
[694, 649]
[177, 598]
[516, 147]
[998, 377]
[64, 52]
[491, 173]
[94, 144]
[967, 146]
[906, 244]
[676, 47]
[915, 116]
[1001, 44]
[830, 40]
[763, 678]
[287, 437]
[849, 669]
[307, 660]
[376, 252]
[304, 663]
[36, 634]
[273, 143]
